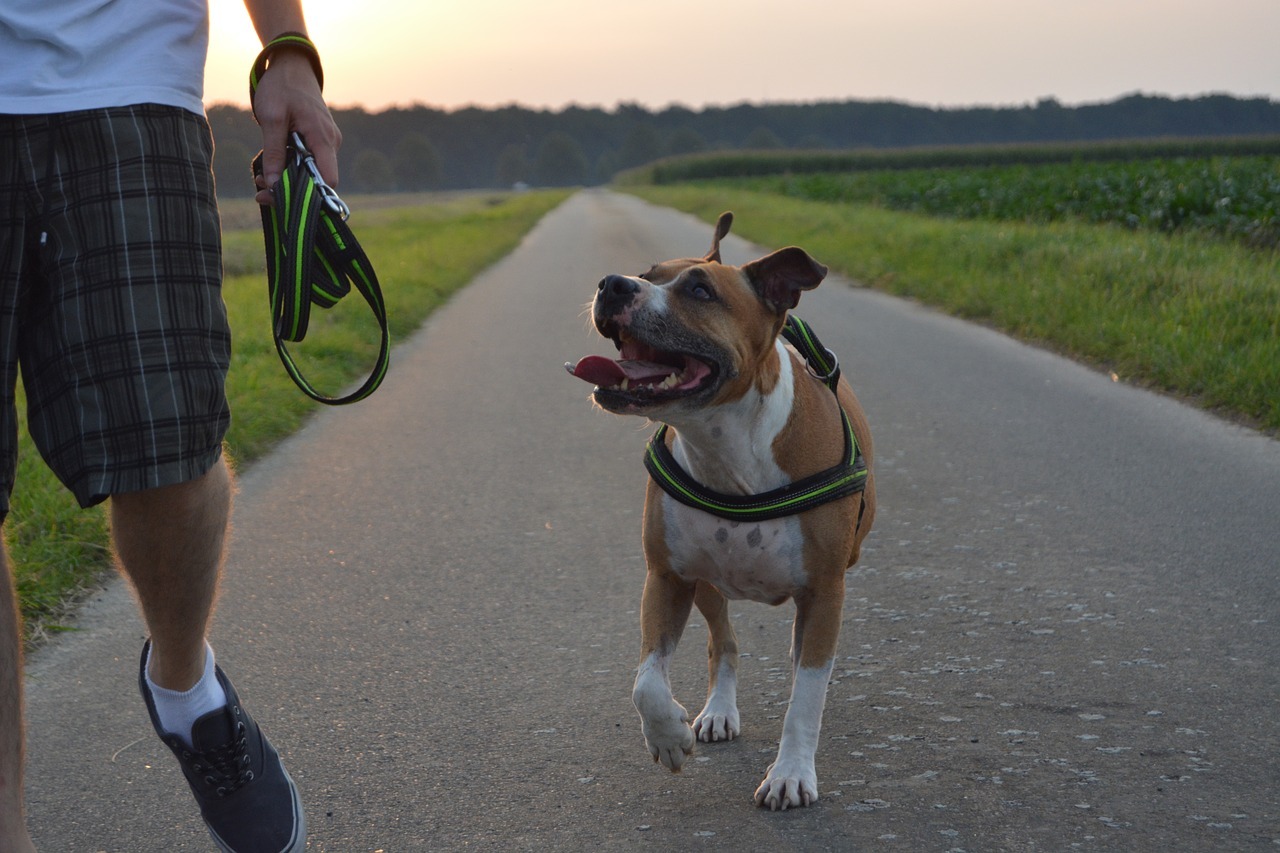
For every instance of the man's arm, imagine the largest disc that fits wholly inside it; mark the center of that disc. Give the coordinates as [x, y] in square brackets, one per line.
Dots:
[288, 98]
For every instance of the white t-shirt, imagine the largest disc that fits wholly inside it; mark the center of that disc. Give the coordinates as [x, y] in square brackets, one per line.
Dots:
[64, 55]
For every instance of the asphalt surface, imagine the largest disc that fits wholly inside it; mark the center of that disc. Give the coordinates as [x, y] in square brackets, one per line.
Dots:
[1062, 634]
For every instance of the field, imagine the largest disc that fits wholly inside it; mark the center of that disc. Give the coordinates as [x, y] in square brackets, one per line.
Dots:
[423, 248]
[739, 164]
[1161, 271]
[1234, 197]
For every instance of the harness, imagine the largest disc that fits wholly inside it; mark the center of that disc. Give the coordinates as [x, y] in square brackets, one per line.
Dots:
[847, 477]
[313, 258]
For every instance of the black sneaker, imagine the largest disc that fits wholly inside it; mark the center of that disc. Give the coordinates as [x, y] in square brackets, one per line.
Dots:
[247, 800]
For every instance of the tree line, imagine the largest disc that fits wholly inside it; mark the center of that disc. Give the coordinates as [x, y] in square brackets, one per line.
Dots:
[424, 148]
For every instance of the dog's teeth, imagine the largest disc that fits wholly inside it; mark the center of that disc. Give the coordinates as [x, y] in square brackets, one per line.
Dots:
[624, 383]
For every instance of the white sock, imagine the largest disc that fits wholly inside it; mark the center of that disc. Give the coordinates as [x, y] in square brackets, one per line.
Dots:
[179, 710]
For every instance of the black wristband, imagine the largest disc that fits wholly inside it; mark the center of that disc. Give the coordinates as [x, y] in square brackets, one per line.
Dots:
[298, 41]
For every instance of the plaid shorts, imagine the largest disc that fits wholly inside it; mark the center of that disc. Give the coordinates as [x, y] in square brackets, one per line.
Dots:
[111, 298]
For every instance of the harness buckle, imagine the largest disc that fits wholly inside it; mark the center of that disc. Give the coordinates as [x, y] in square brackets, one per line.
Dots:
[327, 193]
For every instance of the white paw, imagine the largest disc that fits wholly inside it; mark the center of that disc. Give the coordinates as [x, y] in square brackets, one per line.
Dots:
[668, 736]
[788, 785]
[716, 722]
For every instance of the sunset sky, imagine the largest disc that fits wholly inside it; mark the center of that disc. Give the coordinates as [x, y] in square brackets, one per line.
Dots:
[381, 53]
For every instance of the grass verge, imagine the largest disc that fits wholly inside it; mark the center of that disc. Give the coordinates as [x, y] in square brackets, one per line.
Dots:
[1186, 314]
[422, 253]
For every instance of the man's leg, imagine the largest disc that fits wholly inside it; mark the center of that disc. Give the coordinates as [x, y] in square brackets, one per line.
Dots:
[13, 831]
[170, 545]
[169, 542]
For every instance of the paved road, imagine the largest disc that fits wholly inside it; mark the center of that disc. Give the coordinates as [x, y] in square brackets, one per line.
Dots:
[1062, 635]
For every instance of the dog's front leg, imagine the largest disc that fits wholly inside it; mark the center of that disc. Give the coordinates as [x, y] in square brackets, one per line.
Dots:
[792, 779]
[664, 610]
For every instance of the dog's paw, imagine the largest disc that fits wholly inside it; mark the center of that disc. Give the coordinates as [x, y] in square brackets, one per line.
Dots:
[670, 743]
[669, 738]
[663, 720]
[716, 723]
[788, 785]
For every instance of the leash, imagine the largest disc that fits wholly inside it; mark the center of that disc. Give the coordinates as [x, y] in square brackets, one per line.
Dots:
[314, 259]
[845, 478]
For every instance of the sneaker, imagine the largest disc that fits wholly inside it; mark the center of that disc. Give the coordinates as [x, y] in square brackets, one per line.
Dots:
[247, 800]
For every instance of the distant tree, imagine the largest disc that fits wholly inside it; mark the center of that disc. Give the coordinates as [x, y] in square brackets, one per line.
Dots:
[762, 137]
[686, 140]
[229, 122]
[560, 161]
[512, 166]
[373, 172]
[606, 168]
[643, 145]
[231, 172]
[416, 163]
[471, 140]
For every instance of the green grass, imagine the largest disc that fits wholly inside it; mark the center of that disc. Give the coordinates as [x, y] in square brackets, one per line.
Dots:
[422, 254]
[1187, 313]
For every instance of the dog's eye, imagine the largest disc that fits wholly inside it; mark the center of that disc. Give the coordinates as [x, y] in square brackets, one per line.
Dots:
[700, 290]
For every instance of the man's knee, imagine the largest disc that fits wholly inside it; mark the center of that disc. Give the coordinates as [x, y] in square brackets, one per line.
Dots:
[206, 495]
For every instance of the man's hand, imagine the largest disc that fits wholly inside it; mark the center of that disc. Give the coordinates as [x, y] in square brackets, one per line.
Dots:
[288, 100]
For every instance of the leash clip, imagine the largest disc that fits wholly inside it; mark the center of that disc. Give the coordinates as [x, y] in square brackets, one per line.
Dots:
[327, 193]
[835, 367]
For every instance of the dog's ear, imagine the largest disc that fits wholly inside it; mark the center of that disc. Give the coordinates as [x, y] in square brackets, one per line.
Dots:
[778, 278]
[722, 228]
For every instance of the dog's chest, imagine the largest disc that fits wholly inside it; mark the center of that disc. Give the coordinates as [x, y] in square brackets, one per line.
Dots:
[730, 449]
[759, 561]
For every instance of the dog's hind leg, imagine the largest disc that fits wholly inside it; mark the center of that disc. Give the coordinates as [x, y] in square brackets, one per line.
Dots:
[792, 779]
[718, 719]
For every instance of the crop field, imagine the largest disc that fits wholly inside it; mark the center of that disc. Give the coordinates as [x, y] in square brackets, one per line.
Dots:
[1163, 272]
[1234, 197]
[1225, 187]
[742, 164]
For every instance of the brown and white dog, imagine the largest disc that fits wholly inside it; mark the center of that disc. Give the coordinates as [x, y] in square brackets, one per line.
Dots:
[700, 352]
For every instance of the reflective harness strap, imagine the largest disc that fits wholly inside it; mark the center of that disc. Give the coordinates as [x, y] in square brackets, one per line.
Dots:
[847, 477]
[313, 258]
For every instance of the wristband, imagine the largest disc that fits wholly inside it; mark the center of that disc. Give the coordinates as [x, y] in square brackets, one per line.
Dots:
[298, 41]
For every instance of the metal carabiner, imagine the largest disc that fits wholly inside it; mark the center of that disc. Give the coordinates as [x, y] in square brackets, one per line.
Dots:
[835, 368]
[327, 193]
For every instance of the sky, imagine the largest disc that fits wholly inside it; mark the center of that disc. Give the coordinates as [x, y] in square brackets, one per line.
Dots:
[696, 53]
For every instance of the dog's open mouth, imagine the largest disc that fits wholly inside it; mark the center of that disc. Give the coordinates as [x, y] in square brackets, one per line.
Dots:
[644, 375]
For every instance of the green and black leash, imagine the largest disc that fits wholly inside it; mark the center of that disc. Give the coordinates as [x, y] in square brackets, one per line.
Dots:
[845, 478]
[313, 258]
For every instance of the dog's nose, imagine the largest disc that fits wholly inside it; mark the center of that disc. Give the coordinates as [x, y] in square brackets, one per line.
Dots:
[613, 286]
[616, 293]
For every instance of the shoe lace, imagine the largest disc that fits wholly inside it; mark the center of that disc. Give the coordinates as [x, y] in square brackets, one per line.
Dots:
[225, 768]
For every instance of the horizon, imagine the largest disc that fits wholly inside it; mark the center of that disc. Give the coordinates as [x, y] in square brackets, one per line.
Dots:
[613, 108]
[994, 54]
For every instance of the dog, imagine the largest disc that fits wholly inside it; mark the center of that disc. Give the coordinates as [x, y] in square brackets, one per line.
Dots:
[745, 420]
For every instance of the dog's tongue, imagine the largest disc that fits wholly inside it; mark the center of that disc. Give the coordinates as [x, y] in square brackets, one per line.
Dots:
[606, 372]
[598, 370]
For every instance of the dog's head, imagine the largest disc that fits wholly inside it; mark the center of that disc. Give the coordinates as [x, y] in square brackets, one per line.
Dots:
[694, 332]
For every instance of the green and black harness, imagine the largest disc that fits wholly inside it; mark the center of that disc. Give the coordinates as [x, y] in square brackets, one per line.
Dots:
[847, 477]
